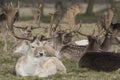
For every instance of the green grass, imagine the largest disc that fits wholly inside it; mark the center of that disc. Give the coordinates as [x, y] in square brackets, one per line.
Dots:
[26, 18]
[45, 19]
[8, 61]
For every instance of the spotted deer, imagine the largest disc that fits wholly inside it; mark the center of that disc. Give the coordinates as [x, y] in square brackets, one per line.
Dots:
[35, 63]
[7, 19]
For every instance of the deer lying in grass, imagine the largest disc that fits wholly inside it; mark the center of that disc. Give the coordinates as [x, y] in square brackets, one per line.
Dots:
[99, 60]
[68, 51]
[7, 19]
[111, 31]
[22, 47]
[35, 63]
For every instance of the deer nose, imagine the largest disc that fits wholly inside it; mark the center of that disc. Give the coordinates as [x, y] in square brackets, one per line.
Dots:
[41, 54]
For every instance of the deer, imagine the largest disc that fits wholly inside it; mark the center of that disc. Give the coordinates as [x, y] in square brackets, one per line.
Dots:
[96, 59]
[110, 36]
[109, 41]
[7, 19]
[22, 47]
[35, 63]
[100, 61]
[93, 46]
[60, 39]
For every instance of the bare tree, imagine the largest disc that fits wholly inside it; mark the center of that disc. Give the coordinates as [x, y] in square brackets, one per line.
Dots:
[90, 6]
[38, 14]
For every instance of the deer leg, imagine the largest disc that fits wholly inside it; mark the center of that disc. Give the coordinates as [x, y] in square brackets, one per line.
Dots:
[5, 42]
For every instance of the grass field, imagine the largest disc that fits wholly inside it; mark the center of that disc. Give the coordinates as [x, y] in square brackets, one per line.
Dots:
[8, 61]
[7, 71]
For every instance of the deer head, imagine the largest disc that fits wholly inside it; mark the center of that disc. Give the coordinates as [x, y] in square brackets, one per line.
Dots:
[22, 47]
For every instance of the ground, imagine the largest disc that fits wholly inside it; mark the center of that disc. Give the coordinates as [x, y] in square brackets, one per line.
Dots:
[7, 71]
[8, 60]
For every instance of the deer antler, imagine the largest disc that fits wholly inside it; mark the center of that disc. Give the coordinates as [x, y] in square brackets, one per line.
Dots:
[22, 38]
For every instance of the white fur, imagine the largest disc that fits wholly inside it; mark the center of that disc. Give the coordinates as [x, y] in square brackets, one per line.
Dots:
[42, 66]
[22, 49]
[82, 42]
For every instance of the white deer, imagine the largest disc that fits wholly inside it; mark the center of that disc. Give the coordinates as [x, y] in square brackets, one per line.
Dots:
[35, 63]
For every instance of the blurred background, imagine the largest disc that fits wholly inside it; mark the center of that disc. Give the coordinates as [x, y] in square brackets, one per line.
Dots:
[91, 10]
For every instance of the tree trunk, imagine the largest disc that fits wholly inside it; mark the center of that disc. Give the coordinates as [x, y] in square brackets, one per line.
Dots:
[1, 3]
[112, 3]
[90, 6]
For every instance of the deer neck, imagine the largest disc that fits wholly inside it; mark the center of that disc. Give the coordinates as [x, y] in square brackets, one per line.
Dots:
[93, 46]
[106, 43]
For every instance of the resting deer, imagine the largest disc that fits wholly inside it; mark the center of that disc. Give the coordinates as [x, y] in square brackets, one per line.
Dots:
[96, 59]
[93, 46]
[100, 61]
[22, 47]
[35, 63]
[7, 19]
[111, 31]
